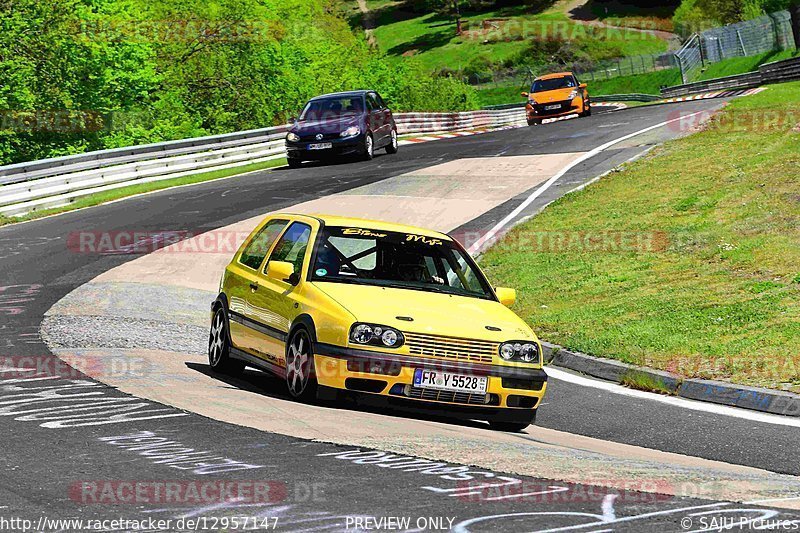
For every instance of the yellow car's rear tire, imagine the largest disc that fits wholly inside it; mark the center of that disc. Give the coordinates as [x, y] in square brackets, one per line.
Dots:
[301, 377]
[219, 346]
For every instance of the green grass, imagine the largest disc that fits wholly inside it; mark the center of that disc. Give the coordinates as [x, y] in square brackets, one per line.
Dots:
[430, 38]
[718, 293]
[740, 65]
[649, 83]
[124, 192]
[641, 381]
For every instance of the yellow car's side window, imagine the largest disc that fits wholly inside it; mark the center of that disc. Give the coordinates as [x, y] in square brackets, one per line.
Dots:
[292, 245]
[255, 252]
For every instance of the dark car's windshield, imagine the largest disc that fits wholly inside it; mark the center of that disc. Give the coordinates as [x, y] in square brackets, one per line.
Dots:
[540, 86]
[332, 107]
[402, 260]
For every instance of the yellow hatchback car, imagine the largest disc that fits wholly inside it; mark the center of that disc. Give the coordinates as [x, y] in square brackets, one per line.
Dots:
[388, 312]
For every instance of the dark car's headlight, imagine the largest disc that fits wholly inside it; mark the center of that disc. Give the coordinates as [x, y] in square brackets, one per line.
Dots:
[352, 131]
[292, 137]
[524, 351]
[376, 335]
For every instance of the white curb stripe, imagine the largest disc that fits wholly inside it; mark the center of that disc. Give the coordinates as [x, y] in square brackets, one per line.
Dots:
[588, 155]
[717, 409]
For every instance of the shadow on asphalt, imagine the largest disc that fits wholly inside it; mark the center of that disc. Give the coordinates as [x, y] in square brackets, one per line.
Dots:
[268, 385]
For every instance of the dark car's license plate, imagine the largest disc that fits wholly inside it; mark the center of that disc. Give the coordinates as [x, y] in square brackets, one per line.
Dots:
[320, 146]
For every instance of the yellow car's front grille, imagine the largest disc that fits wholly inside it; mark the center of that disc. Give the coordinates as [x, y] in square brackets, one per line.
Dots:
[451, 347]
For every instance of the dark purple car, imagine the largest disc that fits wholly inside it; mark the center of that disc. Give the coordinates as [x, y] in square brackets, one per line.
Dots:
[342, 124]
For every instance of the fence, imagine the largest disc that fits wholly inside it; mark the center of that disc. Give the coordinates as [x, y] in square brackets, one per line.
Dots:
[625, 66]
[752, 37]
[44, 184]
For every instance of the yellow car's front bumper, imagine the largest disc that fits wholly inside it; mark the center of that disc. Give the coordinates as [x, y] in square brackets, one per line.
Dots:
[512, 392]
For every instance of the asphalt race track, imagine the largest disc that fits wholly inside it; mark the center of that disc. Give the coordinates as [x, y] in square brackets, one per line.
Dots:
[69, 438]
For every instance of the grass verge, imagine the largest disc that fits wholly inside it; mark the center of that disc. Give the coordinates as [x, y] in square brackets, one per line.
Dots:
[430, 38]
[740, 65]
[131, 190]
[687, 260]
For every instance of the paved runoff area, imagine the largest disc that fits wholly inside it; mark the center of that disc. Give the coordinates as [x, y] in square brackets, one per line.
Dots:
[112, 412]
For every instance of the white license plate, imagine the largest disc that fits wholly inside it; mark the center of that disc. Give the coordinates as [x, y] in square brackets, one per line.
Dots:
[320, 146]
[434, 379]
[552, 107]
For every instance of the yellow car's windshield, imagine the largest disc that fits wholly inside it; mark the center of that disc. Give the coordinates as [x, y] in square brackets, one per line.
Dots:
[391, 259]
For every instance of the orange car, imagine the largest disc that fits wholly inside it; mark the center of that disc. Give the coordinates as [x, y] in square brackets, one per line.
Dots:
[556, 95]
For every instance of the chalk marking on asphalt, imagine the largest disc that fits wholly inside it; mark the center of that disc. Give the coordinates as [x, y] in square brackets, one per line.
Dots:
[693, 405]
[607, 506]
[549, 183]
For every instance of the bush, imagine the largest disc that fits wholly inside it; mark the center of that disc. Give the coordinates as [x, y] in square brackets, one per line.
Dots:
[155, 70]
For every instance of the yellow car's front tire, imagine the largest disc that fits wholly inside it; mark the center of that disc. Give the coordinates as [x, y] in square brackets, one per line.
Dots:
[300, 372]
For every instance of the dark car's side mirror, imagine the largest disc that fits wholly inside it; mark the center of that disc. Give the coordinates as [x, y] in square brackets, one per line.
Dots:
[293, 119]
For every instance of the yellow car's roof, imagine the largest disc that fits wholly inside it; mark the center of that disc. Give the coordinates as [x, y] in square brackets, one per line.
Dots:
[554, 75]
[335, 220]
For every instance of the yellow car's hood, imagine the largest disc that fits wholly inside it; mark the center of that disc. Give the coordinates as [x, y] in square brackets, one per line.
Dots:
[433, 313]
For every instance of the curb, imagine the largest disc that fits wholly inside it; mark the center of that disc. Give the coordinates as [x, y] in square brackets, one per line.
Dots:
[704, 390]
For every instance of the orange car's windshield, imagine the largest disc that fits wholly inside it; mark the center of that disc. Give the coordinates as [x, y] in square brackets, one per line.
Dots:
[401, 260]
[552, 84]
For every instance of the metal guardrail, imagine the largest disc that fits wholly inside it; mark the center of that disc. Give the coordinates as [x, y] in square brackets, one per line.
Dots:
[634, 97]
[739, 81]
[776, 72]
[48, 183]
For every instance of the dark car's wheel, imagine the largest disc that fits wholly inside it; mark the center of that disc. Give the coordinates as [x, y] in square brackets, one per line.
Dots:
[219, 346]
[300, 372]
[293, 162]
[514, 426]
[369, 147]
[393, 145]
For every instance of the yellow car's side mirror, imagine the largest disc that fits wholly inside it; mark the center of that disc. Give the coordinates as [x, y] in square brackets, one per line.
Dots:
[583, 86]
[282, 271]
[506, 296]
[525, 95]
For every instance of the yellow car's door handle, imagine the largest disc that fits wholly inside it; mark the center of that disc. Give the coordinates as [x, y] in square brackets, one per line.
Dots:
[254, 287]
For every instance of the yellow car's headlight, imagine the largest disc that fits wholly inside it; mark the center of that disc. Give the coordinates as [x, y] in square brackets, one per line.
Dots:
[376, 335]
[525, 351]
